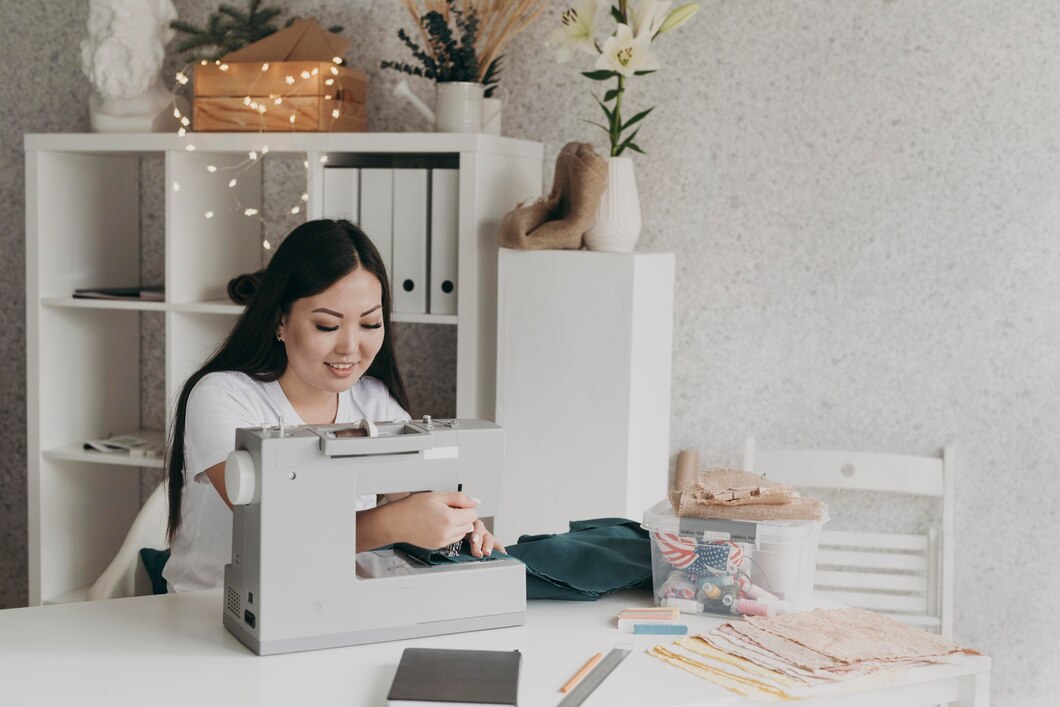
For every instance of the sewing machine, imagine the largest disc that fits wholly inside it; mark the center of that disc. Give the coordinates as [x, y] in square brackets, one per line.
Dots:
[295, 582]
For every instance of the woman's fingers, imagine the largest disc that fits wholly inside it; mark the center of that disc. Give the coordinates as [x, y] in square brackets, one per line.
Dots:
[482, 541]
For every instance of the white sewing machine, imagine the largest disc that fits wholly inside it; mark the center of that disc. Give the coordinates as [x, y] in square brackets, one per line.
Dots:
[295, 582]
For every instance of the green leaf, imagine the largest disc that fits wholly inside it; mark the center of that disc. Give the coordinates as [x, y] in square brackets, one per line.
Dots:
[601, 75]
[612, 94]
[638, 117]
[629, 140]
[607, 111]
[644, 73]
[606, 130]
[617, 14]
[635, 148]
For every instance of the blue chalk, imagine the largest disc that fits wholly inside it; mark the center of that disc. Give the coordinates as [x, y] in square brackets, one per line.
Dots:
[669, 629]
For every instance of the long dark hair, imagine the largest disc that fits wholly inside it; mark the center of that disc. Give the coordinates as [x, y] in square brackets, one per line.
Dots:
[311, 259]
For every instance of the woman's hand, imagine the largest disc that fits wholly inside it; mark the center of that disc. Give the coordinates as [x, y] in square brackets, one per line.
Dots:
[434, 519]
[482, 541]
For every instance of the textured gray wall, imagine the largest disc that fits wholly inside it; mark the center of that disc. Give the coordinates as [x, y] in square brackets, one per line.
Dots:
[863, 195]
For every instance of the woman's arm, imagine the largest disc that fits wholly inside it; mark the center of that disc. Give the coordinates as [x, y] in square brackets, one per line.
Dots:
[423, 519]
[430, 520]
[216, 474]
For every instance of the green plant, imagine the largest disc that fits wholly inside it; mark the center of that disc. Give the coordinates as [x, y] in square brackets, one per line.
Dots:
[450, 51]
[230, 29]
[624, 54]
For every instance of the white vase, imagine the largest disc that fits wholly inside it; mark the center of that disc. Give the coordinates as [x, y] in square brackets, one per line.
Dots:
[617, 226]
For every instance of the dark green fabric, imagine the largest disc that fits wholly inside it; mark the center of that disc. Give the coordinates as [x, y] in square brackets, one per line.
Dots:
[154, 561]
[595, 557]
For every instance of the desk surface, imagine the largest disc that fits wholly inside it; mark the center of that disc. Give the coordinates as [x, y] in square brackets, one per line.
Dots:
[173, 650]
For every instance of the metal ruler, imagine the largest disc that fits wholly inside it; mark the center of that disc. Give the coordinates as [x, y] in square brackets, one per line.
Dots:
[596, 676]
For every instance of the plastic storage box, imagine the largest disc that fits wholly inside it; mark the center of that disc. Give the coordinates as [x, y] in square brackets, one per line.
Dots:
[731, 567]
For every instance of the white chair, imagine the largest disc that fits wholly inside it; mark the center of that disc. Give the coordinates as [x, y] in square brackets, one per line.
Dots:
[125, 576]
[907, 577]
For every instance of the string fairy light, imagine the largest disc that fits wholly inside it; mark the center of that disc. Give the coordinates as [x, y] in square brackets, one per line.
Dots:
[253, 156]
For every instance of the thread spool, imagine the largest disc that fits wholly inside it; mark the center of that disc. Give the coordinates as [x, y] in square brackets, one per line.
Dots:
[755, 592]
[687, 468]
[753, 608]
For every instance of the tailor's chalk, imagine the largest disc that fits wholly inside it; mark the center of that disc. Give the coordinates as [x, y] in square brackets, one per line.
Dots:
[596, 676]
[662, 629]
[690, 606]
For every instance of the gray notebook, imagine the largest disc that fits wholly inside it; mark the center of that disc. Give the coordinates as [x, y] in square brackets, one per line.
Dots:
[433, 677]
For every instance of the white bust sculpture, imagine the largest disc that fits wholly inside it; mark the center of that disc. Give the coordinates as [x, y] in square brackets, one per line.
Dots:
[122, 57]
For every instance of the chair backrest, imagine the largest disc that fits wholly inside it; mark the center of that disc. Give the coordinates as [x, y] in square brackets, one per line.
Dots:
[125, 576]
[908, 577]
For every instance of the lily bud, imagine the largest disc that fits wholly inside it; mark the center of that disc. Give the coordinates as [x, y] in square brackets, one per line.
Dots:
[678, 16]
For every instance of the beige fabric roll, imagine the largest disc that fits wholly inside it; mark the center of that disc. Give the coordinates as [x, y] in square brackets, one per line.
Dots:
[735, 494]
[854, 635]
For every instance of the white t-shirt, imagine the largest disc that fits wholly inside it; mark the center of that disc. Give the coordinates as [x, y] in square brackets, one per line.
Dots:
[218, 405]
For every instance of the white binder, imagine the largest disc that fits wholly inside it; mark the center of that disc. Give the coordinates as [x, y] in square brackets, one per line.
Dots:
[445, 238]
[411, 222]
[341, 193]
[377, 212]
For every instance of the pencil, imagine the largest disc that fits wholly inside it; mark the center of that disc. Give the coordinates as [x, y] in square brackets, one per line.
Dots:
[589, 665]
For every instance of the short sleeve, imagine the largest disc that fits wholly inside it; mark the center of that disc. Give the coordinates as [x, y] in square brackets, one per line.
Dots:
[394, 409]
[216, 408]
[372, 399]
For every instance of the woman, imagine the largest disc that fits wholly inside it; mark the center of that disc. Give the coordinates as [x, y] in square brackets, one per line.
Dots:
[313, 347]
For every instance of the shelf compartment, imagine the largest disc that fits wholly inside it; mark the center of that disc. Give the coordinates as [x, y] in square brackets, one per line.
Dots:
[191, 338]
[129, 305]
[87, 360]
[87, 227]
[76, 452]
[209, 307]
[204, 253]
[81, 522]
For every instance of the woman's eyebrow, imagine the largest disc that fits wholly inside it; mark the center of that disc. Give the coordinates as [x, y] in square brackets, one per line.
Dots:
[328, 311]
[365, 314]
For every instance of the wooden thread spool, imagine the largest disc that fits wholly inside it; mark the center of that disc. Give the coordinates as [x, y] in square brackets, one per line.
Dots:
[687, 468]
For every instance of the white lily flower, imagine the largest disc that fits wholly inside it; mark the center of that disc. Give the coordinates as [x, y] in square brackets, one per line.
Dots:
[577, 31]
[679, 16]
[626, 53]
[648, 17]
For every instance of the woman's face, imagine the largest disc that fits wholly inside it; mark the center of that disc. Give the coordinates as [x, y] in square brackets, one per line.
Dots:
[333, 337]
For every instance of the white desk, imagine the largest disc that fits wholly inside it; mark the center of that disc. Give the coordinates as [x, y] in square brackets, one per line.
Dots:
[173, 650]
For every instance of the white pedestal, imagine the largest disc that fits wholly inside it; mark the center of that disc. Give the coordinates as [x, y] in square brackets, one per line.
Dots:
[584, 356]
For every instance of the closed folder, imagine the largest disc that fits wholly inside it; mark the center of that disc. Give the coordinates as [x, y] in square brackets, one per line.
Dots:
[341, 193]
[445, 238]
[411, 223]
[377, 212]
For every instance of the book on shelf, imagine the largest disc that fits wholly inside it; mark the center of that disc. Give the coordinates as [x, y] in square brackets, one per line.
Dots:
[437, 677]
[129, 445]
[145, 293]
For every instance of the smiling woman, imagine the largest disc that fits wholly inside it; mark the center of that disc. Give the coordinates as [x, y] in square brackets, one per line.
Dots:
[313, 347]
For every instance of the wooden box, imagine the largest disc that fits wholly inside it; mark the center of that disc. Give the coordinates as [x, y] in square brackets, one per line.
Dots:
[299, 96]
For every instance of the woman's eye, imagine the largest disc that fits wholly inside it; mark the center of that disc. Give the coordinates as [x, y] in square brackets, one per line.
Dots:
[373, 326]
[326, 328]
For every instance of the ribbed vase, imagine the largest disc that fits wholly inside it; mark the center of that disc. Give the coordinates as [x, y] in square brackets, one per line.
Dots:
[617, 226]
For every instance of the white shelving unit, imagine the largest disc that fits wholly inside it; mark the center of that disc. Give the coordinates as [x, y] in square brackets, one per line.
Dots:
[83, 356]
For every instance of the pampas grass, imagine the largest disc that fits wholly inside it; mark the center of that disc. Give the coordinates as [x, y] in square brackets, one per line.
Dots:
[498, 22]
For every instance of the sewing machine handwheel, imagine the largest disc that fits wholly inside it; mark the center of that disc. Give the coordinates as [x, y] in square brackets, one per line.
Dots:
[239, 478]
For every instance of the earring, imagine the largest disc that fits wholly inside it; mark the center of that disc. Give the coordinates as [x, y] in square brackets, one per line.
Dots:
[279, 338]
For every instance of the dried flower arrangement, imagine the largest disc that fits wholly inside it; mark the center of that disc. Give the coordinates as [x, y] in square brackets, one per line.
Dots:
[461, 40]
